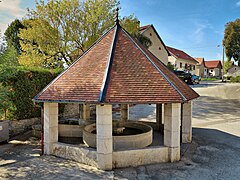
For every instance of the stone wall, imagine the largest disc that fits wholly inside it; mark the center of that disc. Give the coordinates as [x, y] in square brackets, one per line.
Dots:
[17, 127]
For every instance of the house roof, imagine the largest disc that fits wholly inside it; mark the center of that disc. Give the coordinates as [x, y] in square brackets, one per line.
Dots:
[200, 60]
[143, 29]
[180, 54]
[213, 64]
[117, 69]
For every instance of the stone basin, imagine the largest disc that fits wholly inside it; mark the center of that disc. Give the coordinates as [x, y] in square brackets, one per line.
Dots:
[135, 135]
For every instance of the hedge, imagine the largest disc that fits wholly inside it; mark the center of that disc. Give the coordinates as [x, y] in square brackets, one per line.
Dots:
[24, 83]
[235, 79]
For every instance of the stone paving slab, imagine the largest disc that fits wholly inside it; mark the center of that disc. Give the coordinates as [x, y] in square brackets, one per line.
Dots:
[50, 167]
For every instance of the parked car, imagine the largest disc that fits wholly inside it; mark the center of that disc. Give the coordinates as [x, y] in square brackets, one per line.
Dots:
[186, 77]
[196, 79]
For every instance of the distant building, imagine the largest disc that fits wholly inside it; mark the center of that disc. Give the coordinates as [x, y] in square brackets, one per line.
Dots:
[181, 60]
[158, 47]
[214, 68]
[200, 67]
[233, 71]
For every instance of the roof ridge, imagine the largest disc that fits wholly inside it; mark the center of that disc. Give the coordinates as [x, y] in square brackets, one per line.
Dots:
[164, 76]
[104, 86]
[62, 73]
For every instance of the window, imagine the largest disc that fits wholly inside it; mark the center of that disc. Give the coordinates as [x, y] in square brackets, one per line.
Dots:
[180, 65]
[150, 34]
[185, 66]
[159, 48]
[193, 67]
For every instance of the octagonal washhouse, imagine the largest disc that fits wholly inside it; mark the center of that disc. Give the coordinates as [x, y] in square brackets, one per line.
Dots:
[117, 69]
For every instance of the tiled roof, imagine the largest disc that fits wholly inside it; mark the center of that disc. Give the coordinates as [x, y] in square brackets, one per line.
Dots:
[143, 28]
[180, 54]
[200, 60]
[213, 64]
[117, 69]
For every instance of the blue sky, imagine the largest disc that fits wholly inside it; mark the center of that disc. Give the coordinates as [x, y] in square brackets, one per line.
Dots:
[196, 27]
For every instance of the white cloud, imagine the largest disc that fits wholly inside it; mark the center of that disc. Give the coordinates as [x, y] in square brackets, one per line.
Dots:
[238, 4]
[199, 34]
[10, 10]
[12, 7]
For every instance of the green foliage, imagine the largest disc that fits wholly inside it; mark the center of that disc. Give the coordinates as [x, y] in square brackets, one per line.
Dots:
[231, 40]
[9, 57]
[24, 83]
[40, 44]
[227, 65]
[5, 102]
[170, 66]
[59, 31]
[11, 35]
[131, 24]
[60, 27]
[235, 79]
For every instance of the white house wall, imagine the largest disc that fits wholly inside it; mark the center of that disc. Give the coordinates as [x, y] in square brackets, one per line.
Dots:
[157, 48]
[176, 63]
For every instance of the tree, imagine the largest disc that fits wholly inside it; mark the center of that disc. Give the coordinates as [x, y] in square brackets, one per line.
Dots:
[227, 65]
[9, 57]
[40, 43]
[77, 25]
[231, 40]
[11, 35]
[63, 29]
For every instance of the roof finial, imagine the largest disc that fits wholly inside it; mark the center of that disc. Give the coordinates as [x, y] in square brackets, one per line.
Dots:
[117, 20]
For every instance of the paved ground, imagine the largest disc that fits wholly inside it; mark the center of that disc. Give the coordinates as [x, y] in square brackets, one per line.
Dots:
[214, 153]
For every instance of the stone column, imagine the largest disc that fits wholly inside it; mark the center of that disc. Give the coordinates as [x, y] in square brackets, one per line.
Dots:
[50, 126]
[124, 112]
[159, 117]
[187, 122]
[104, 136]
[172, 116]
[85, 111]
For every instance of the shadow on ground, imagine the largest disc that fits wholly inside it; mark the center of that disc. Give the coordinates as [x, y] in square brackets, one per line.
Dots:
[212, 155]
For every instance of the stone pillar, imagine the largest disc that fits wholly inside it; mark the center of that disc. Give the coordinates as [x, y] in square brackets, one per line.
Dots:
[85, 111]
[104, 136]
[50, 126]
[172, 116]
[124, 112]
[187, 122]
[159, 117]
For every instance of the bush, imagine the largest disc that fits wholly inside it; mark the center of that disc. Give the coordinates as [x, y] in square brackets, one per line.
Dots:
[24, 83]
[235, 79]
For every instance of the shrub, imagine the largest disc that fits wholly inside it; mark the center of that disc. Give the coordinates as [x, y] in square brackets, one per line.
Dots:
[235, 79]
[23, 84]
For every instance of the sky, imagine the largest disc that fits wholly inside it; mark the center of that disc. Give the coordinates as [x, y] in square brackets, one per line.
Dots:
[194, 26]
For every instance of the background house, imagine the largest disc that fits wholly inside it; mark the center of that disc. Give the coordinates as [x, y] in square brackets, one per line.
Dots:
[200, 67]
[181, 60]
[233, 71]
[158, 47]
[214, 67]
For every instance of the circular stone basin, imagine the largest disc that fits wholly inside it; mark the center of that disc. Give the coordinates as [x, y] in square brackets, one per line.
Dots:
[134, 135]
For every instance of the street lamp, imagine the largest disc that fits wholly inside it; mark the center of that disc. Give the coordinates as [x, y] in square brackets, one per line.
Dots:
[223, 54]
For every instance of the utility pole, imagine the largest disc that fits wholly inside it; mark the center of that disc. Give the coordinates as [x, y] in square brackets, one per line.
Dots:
[223, 64]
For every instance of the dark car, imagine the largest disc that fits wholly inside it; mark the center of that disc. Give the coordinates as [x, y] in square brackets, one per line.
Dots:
[186, 77]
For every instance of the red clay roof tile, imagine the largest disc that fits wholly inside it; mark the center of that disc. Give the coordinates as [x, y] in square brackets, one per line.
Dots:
[180, 54]
[213, 64]
[117, 69]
